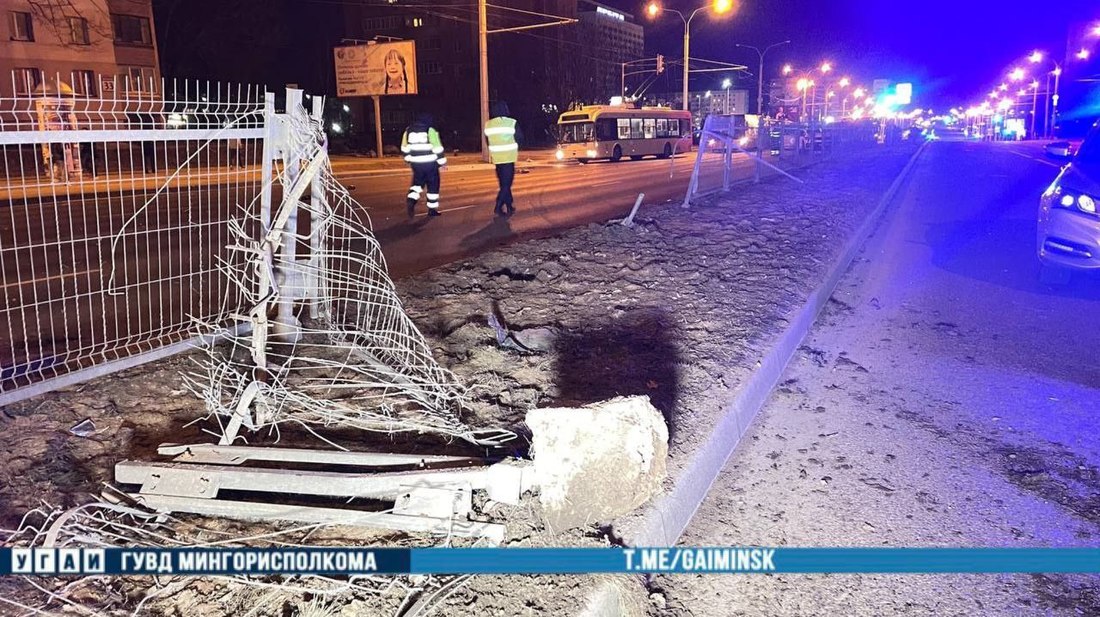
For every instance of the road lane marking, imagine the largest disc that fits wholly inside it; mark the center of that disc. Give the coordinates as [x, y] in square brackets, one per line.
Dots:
[1038, 160]
[48, 278]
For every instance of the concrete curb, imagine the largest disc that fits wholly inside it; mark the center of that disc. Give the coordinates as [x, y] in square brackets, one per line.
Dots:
[665, 520]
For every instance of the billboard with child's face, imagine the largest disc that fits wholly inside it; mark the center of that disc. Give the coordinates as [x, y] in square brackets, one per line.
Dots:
[377, 69]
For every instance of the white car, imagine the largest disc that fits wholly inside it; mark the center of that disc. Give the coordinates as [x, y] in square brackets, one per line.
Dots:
[1060, 149]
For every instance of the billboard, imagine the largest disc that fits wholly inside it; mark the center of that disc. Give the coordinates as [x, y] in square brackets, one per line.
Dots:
[377, 69]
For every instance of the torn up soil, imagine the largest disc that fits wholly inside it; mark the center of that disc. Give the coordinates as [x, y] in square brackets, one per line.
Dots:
[677, 308]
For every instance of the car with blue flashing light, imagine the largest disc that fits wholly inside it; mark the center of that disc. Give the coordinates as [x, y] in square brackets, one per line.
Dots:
[1069, 221]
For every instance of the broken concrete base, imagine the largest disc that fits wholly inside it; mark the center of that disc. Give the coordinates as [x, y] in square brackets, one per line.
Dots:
[598, 462]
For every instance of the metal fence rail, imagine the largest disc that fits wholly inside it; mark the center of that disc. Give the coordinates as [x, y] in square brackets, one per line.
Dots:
[747, 152]
[114, 235]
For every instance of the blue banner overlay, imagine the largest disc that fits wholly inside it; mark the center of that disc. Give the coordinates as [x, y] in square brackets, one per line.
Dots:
[715, 560]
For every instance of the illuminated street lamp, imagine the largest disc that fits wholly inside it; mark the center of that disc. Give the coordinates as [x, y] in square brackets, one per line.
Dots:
[844, 82]
[1083, 54]
[726, 83]
[826, 67]
[1035, 57]
[858, 93]
[787, 69]
[803, 84]
[1004, 87]
[1017, 74]
[760, 73]
[718, 6]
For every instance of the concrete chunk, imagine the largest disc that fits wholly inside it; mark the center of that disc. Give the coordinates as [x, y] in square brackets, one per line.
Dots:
[597, 462]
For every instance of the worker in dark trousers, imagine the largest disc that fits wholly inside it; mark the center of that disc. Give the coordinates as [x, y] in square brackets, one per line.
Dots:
[502, 135]
[424, 153]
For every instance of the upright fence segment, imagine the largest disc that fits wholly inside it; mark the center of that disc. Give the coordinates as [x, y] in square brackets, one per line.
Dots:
[778, 148]
[114, 223]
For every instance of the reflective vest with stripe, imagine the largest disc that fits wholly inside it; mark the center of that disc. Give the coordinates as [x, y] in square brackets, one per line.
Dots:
[423, 147]
[501, 133]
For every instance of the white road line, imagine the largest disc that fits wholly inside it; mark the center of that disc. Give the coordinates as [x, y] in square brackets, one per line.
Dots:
[48, 278]
[1038, 160]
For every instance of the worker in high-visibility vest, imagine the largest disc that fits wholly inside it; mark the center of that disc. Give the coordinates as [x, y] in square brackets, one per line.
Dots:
[502, 135]
[424, 153]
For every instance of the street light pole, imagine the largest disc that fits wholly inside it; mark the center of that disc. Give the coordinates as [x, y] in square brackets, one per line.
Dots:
[1034, 101]
[687, 52]
[760, 74]
[719, 6]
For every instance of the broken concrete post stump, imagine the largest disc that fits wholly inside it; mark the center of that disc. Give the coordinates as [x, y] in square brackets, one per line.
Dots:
[598, 462]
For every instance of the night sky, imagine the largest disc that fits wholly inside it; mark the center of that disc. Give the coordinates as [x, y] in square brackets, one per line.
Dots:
[952, 50]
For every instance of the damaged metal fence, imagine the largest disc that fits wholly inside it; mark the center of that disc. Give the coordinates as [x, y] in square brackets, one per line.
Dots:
[743, 152]
[202, 214]
[115, 230]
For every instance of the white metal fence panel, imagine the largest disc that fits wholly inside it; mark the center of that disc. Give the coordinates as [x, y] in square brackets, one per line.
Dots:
[113, 230]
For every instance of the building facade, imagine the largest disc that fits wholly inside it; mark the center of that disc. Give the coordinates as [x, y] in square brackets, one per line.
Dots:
[608, 38]
[93, 48]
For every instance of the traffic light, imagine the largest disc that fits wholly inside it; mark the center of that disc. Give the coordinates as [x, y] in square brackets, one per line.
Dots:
[660, 64]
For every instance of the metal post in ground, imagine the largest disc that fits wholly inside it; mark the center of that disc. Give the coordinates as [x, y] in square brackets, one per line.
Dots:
[318, 211]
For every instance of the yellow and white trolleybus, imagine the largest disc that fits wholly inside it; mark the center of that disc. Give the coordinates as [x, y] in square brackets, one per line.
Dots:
[614, 131]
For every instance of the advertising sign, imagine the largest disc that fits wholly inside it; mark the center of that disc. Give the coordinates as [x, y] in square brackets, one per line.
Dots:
[377, 69]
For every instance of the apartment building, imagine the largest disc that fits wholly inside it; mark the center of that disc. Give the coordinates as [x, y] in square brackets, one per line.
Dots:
[93, 48]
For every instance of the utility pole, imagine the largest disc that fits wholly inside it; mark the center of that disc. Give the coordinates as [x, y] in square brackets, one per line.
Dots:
[483, 53]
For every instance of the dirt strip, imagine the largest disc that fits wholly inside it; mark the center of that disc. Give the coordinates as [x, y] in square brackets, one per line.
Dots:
[678, 308]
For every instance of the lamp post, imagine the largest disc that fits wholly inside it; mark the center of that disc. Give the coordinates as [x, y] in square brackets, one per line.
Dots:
[1034, 101]
[760, 73]
[719, 6]
[803, 84]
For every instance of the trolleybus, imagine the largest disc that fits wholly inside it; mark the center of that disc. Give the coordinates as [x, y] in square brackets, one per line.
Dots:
[614, 131]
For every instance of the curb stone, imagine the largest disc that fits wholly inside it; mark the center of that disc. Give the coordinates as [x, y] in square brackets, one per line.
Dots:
[665, 520]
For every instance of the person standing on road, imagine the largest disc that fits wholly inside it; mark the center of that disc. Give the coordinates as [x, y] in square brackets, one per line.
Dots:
[502, 135]
[425, 154]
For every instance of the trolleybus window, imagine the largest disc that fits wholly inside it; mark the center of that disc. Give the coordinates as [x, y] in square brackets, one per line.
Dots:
[662, 127]
[624, 128]
[649, 128]
[635, 128]
[580, 132]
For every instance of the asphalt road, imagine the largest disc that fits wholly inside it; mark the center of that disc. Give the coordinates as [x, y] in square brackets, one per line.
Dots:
[56, 260]
[946, 397]
[549, 197]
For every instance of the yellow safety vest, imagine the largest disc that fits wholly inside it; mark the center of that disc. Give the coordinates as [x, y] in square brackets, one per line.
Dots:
[501, 133]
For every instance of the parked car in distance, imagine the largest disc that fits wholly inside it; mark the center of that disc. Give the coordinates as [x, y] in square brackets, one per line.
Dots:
[1061, 149]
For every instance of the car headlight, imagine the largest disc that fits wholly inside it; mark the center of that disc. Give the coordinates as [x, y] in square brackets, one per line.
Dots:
[559, 155]
[591, 154]
[1082, 202]
[1086, 204]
